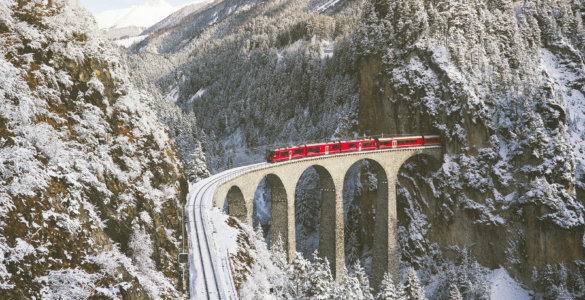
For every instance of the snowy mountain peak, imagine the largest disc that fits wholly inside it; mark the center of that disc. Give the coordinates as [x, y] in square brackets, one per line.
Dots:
[156, 3]
[144, 15]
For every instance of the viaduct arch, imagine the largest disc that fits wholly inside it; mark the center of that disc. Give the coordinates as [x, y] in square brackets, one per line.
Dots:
[283, 178]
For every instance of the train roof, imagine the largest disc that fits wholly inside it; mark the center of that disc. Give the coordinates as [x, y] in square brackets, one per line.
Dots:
[288, 148]
[409, 137]
[358, 140]
[321, 144]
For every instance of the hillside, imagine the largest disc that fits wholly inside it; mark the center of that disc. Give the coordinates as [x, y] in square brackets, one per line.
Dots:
[502, 82]
[91, 184]
[256, 65]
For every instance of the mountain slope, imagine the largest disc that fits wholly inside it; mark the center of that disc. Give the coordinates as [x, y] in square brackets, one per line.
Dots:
[90, 182]
[276, 65]
[502, 82]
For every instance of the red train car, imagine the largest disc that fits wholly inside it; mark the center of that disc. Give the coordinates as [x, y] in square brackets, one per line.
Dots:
[369, 144]
[431, 140]
[385, 143]
[323, 149]
[286, 154]
[358, 145]
[409, 141]
[278, 155]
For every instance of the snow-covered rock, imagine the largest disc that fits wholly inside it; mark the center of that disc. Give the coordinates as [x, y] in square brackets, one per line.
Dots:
[502, 83]
[90, 181]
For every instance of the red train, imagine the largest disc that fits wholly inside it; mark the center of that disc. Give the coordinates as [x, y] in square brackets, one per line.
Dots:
[311, 150]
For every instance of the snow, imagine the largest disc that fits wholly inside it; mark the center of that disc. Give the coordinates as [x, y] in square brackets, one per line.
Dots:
[225, 235]
[562, 78]
[66, 284]
[143, 15]
[173, 95]
[127, 42]
[326, 5]
[504, 287]
[197, 95]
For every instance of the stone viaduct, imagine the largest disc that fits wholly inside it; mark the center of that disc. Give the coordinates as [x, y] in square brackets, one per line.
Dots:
[283, 178]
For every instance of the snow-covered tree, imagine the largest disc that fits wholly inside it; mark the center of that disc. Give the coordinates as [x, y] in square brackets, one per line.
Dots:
[279, 256]
[299, 272]
[320, 279]
[349, 287]
[388, 290]
[454, 293]
[412, 287]
[363, 279]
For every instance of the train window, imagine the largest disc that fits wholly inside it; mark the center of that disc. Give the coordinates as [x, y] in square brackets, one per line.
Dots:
[352, 145]
[299, 151]
[335, 147]
[367, 144]
[284, 153]
[433, 140]
[402, 142]
[385, 143]
[313, 149]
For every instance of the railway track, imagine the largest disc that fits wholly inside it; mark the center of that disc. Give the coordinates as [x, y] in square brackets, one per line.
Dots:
[210, 276]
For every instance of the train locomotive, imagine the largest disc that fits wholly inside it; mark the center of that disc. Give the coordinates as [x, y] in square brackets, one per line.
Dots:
[366, 144]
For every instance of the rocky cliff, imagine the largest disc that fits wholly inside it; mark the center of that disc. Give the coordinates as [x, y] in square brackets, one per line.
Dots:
[503, 83]
[91, 186]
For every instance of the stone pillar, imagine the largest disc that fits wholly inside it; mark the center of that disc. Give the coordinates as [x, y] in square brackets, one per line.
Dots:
[331, 230]
[385, 250]
[279, 215]
[282, 213]
[291, 244]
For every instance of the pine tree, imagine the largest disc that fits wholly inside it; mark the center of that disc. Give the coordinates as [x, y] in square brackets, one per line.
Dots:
[349, 288]
[363, 280]
[298, 273]
[454, 293]
[278, 255]
[412, 287]
[320, 279]
[388, 290]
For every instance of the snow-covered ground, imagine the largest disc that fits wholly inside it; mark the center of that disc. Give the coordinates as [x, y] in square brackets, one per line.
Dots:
[504, 287]
[127, 42]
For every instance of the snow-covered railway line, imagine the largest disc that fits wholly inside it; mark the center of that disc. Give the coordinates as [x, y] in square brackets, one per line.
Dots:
[208, 278]
[205, 262]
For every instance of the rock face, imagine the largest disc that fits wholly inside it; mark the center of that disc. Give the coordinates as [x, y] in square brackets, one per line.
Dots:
[503, 83]
[90, 182]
